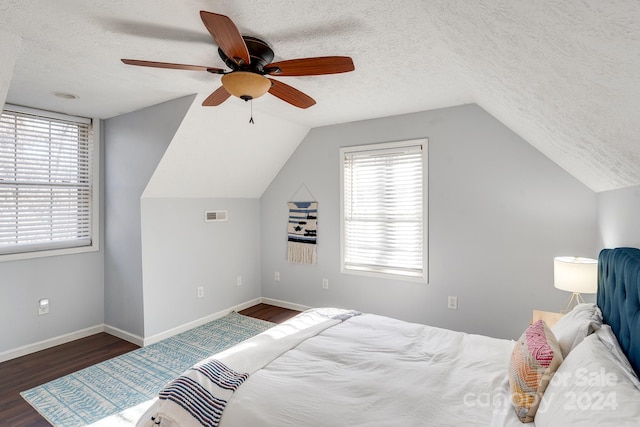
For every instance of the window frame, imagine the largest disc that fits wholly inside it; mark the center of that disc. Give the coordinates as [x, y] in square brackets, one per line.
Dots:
[363, 271]
[94, 162]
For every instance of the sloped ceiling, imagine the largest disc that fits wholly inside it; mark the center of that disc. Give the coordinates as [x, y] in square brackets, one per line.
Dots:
[564, 75]
[208, 158]
[561, 74]
[9, 45]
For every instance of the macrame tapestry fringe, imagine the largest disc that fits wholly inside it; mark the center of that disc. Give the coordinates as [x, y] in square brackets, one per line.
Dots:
[301, 253]
[302, 232]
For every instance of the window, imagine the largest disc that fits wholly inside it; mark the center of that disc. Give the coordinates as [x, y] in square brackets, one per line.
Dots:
[384, 209]
[47, 198]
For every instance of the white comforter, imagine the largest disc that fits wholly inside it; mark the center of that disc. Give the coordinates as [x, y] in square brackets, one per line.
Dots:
[367, 371]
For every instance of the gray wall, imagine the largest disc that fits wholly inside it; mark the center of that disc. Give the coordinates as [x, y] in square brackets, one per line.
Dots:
[619, 217]
[180, 252]
[73, 284]
[134, 145]
[499, 212]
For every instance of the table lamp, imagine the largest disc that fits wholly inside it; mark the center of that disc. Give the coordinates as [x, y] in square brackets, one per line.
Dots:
[576, 275]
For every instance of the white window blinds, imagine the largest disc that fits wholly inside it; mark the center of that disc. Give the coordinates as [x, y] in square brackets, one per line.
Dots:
[383, 209]
[45, 182]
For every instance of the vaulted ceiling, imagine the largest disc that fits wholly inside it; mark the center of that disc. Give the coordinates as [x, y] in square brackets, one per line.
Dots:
[561, 74]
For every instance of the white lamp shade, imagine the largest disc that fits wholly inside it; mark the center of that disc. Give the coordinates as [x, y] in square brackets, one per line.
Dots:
[575, 274]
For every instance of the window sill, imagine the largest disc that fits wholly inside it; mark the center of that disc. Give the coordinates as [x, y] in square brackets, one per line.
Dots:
[381, 275]
[48, 253]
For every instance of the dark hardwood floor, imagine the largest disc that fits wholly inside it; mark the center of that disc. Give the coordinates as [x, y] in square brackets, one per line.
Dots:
[34, 369]
[25, 372]
[270, 313]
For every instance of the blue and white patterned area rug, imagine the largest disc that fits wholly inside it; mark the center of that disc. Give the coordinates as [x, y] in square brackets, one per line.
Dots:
[116, 391]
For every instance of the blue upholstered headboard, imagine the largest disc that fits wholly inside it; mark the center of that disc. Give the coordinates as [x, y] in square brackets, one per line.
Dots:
[619, 298]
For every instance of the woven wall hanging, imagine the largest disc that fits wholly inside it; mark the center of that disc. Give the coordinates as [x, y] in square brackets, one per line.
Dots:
[302, 232]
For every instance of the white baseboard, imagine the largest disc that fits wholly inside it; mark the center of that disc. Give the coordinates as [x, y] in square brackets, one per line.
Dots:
[51, 342]
[247, 304]
[198, 322]
[124, 335]
[136, 339]
[285, 304]
[211, 317]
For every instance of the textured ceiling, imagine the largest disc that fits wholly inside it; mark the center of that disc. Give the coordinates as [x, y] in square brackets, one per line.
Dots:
[561, 74]
[564, 75]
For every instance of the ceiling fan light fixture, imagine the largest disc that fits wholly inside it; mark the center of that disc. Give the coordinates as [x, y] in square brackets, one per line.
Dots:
[246, 85]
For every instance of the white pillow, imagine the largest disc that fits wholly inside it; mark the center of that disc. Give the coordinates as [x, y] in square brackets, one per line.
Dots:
[576, 325]
[609, 340]
[592, 387]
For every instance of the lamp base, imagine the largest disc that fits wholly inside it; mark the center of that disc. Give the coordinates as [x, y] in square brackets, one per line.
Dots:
[574, 300]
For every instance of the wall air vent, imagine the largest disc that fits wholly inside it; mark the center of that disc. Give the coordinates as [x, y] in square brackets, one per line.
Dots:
[215, 216]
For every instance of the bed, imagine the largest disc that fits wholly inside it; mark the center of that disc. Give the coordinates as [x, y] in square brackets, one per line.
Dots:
[331, 367]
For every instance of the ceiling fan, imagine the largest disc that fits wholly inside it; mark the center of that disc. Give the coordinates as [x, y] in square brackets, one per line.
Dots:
[249, 59]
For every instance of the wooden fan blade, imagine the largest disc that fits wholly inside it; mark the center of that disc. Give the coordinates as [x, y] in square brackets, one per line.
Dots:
[227, 37]
[170, 65]
[216, 98]
[311, 66]
[291, 95]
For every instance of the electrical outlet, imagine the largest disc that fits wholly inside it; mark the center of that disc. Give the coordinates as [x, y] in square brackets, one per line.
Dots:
[452, 303]
[325, 283]
[200, 291]
[276, 276]
[43, 306]
[239, 281]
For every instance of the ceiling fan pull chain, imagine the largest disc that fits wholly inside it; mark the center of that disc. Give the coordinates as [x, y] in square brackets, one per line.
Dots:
[251, 119]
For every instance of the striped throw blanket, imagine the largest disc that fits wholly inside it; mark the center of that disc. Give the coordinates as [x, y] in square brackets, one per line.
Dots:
[198, 397]
[203, 391]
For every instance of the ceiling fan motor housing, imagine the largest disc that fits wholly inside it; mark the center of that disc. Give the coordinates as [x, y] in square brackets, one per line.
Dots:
[247, 81]
[259, 52]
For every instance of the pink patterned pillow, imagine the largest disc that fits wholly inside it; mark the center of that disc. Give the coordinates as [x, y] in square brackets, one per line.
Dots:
[534, 359]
